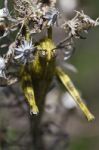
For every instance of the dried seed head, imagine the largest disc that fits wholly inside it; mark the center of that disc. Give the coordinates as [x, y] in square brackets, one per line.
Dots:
[80, 23]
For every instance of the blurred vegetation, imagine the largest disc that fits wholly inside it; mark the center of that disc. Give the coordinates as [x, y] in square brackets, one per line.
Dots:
[84, 144]
[86, 60]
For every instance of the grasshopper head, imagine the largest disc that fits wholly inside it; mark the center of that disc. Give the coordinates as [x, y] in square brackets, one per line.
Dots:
[47, 49]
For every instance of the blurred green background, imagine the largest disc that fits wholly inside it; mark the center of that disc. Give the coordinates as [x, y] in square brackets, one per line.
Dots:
[86, 60]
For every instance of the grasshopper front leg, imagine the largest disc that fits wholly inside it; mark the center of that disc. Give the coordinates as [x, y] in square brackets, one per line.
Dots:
[28, 90]
[66, 81]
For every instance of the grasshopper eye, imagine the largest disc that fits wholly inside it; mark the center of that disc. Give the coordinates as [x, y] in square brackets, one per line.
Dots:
[54, 52]
[43, 53]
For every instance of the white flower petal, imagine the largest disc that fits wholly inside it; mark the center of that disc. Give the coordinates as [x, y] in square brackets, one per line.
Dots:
[23, 46]
[18, 56]
[25, 42]
[19, 49]
[31, 43]
[2, 63]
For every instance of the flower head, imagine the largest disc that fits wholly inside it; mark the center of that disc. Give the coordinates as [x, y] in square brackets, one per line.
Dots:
[3, 13]
[23, 53]
[80, 23]
[51, 17]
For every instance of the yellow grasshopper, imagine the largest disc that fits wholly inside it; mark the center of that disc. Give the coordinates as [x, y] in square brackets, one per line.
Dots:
[36, 78]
